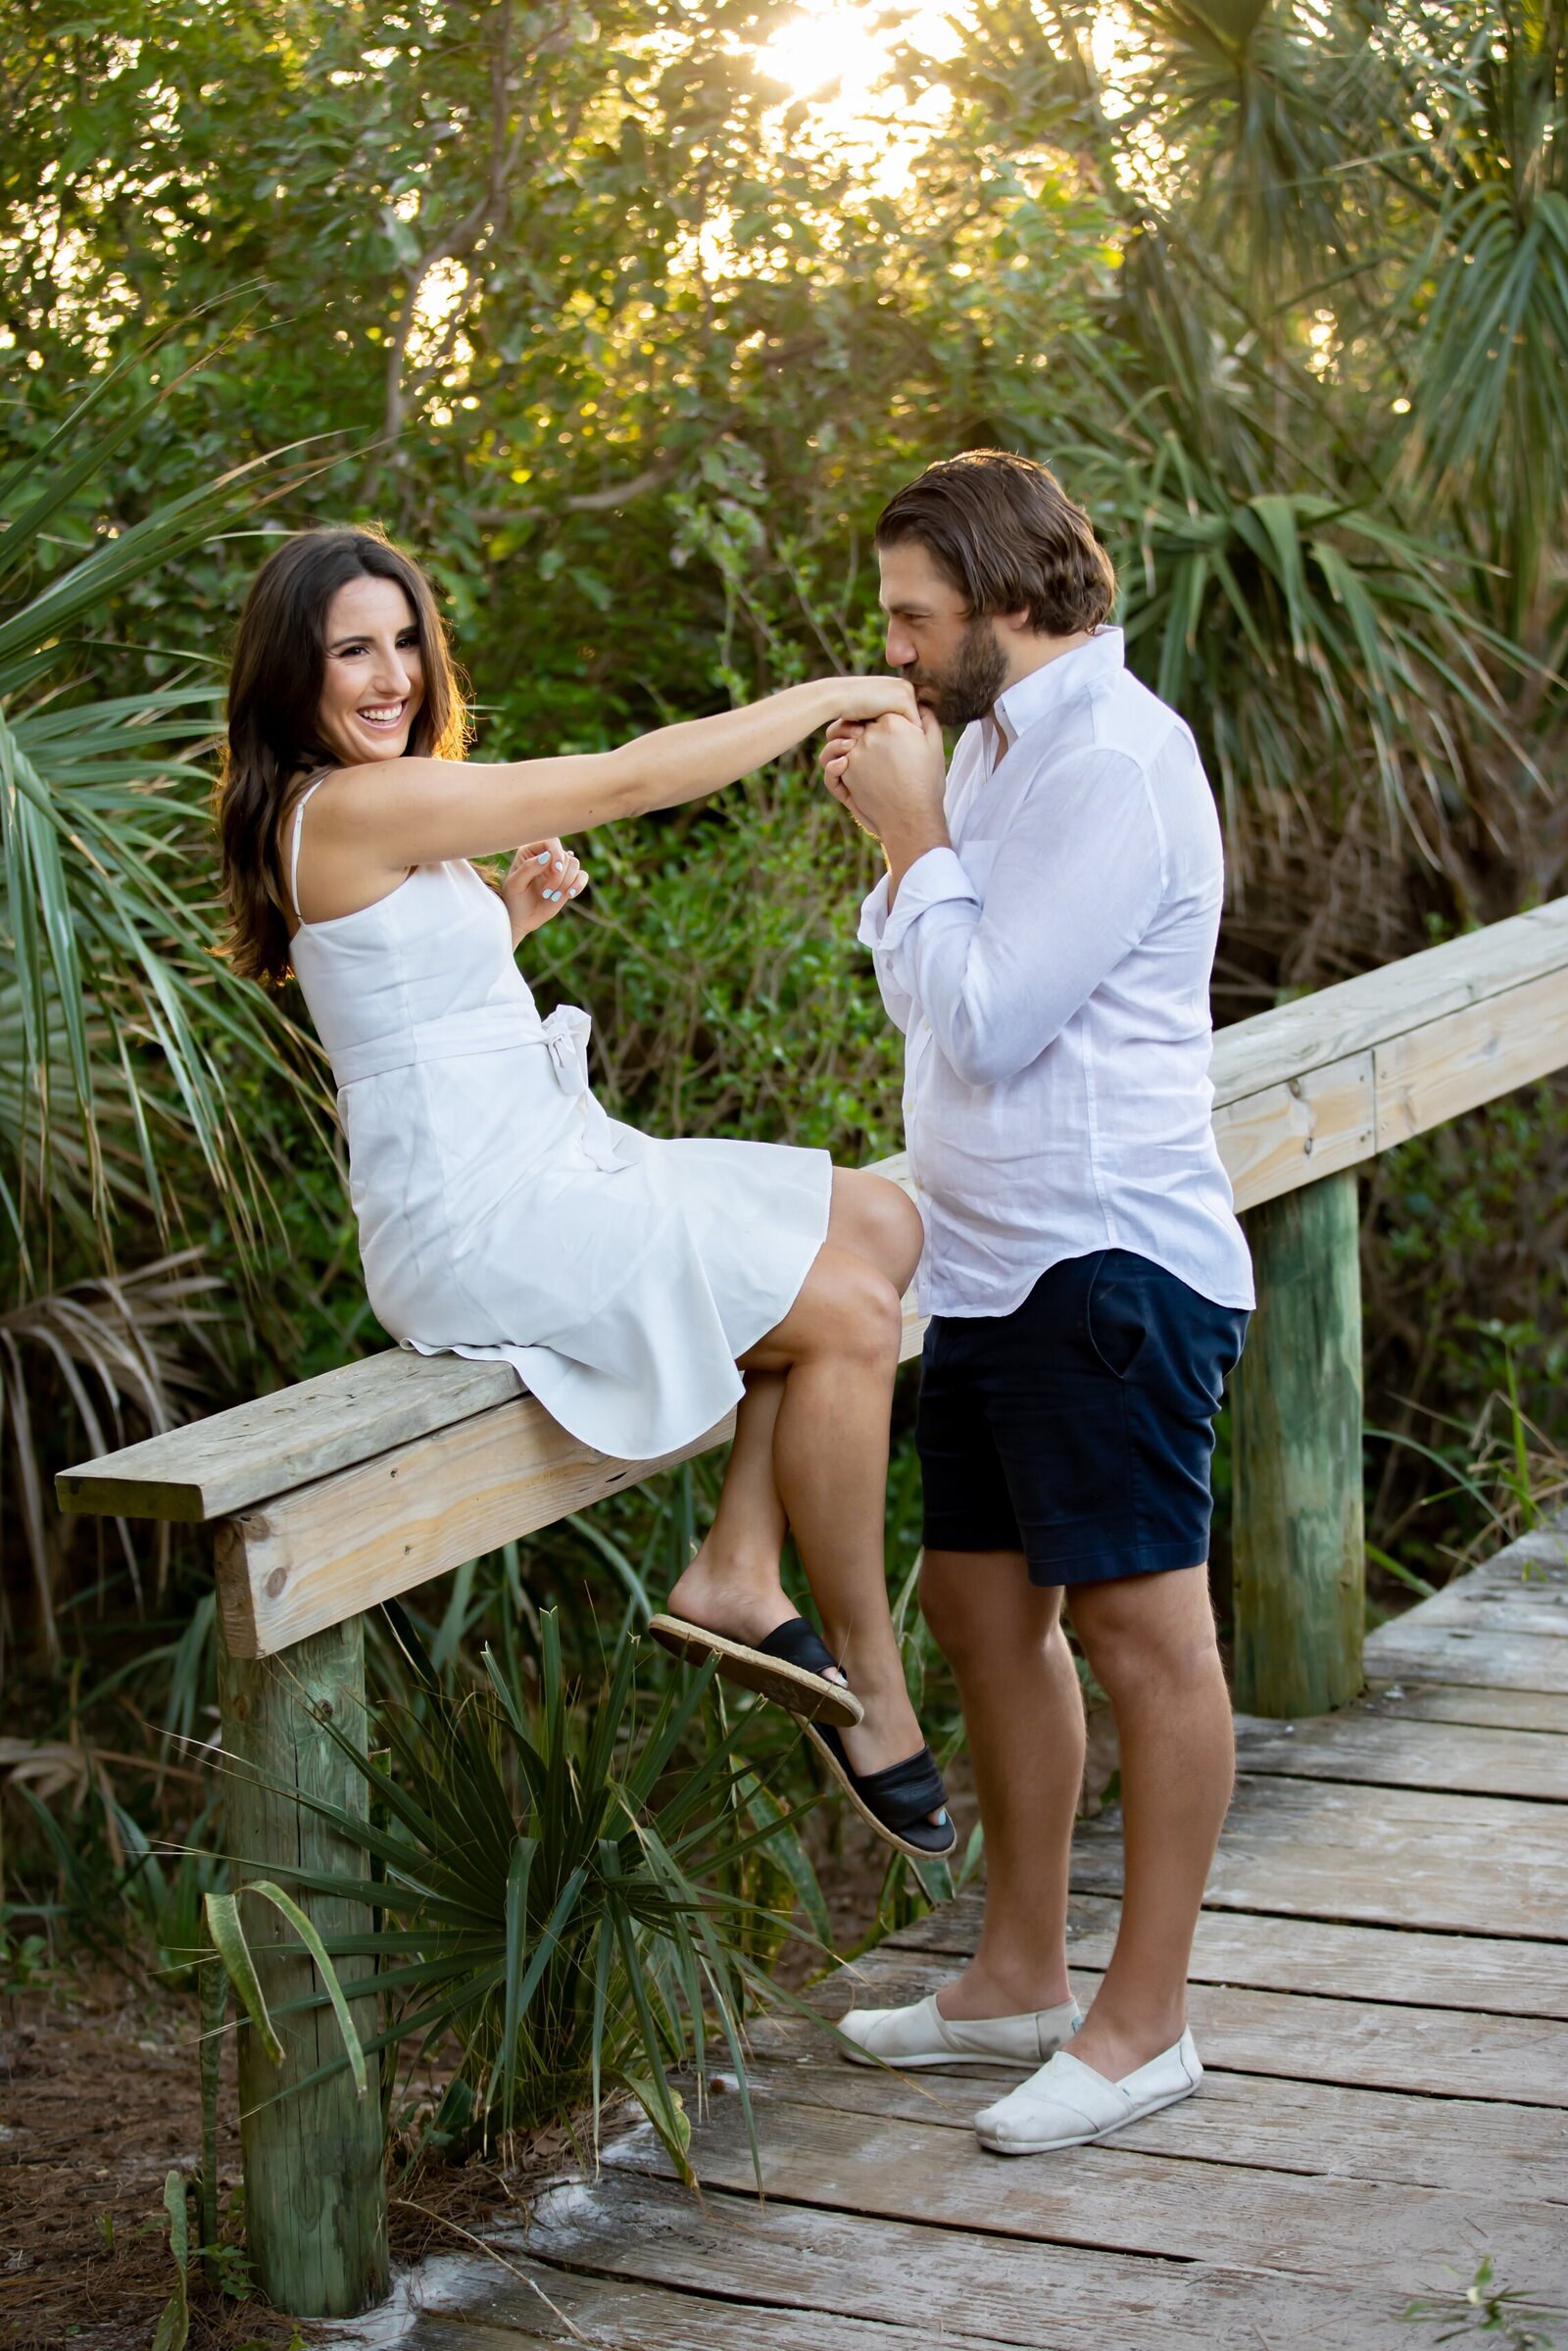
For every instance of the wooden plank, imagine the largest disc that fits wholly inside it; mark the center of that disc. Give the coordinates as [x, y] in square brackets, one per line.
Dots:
[1268, 2122]
[1419, 991]
[1524, 1710]
[1363, 2044]
[471, 2303]
[1475, 1971]
[1378, 1856]
[1538, 1611]
[335, 1548]
[1408, 1651]
[1121, 2199]
[1431, 1074]
[209, 1467]
[962, 2286]
[1389, 1751]
[1293, 1132]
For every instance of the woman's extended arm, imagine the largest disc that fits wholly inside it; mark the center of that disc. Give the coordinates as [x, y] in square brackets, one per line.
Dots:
[421, 812]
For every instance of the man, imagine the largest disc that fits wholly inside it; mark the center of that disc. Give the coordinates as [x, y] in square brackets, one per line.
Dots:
[1043, 936]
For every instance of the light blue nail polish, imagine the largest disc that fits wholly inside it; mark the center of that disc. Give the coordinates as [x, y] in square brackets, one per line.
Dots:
[543, 859]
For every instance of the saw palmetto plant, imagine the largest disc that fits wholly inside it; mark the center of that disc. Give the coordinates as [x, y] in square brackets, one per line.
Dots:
[568, 1891]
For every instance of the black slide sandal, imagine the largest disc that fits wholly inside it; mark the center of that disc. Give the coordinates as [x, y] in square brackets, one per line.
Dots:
[896, 1799]
[789, 1666]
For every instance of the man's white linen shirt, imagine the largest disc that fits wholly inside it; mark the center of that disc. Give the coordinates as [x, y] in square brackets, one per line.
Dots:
[1051, 973]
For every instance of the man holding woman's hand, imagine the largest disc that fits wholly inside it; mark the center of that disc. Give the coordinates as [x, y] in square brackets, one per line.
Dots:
[1044, 937]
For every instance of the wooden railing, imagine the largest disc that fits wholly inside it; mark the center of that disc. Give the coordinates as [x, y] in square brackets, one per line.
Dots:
[330, 1497]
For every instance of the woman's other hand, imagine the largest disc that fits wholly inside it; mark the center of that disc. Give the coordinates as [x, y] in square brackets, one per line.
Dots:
[542, 879]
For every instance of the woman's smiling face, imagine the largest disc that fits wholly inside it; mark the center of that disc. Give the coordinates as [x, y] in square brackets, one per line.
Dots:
[372, 683]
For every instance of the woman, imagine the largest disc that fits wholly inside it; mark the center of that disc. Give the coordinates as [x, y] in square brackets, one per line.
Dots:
[640, 1287]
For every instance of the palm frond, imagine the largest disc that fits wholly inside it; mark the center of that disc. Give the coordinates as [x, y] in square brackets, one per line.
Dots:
[130, 1023]
[110, 1353]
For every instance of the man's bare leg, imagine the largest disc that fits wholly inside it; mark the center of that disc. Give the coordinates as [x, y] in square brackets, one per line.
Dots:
[1024, 1721]
[1150, 1642]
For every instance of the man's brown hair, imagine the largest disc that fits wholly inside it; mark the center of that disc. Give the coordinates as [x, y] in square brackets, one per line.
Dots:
[1004, 532]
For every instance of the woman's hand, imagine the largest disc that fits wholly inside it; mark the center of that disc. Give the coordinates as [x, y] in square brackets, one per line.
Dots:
[865, 698]
[542, 879]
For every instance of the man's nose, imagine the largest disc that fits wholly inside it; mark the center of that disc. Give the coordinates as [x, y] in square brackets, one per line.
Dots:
[900, 654]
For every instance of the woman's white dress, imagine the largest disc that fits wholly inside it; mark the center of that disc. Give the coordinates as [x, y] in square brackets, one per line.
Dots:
[504, 1215]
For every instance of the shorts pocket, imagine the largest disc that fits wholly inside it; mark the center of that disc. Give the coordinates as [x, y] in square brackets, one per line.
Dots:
[1115, 1316]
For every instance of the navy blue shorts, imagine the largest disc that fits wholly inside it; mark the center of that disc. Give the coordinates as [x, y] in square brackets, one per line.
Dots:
[1079, 1428]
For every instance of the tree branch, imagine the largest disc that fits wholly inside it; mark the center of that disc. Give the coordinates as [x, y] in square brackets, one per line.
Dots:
[586, 502]
[465, 234]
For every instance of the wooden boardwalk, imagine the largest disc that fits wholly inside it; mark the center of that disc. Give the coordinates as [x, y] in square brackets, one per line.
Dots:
[1380, 1994]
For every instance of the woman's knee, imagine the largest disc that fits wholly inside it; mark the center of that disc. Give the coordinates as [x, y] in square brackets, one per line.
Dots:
[847, 1307]
[878, 1221]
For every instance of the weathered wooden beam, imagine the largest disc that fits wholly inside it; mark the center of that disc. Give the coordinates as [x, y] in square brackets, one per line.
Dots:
[1419, 991]
[1298, 1546]
[207, 1468]
[314, 2185]
[349, 1542]
[1295, 1132]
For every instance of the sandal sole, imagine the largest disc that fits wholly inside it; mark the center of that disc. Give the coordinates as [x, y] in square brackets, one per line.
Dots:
[890, 1837]
[804, 1694]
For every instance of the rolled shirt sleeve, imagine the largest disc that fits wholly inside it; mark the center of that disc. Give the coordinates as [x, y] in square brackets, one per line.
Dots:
[875, 923]
[1075, 884]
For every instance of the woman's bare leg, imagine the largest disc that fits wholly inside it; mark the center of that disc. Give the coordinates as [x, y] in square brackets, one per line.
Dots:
[830, 1459]
[833, 1358]
[733, 1583]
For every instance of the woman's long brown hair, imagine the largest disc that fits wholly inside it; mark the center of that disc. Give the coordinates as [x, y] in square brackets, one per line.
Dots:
[275, 699]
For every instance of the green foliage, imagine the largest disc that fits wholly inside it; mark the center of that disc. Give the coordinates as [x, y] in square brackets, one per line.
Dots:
[1482, 2307]
[174, 2323]
[121, 1022]
[1466, 1307]
[560, 1885]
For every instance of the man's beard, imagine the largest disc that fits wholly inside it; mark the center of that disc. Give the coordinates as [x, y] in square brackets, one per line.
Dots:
[969, 685]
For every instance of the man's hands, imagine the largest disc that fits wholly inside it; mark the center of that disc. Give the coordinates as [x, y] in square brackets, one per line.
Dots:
[890, 773]
[542, 879]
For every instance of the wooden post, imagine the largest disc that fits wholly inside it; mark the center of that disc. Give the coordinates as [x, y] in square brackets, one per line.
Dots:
[1300, 1543]
[315, 2183]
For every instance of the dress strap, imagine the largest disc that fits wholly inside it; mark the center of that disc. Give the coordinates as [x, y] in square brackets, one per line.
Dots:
[294, 849]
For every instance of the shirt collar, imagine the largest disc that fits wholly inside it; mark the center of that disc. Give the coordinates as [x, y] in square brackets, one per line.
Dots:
[1034, 697]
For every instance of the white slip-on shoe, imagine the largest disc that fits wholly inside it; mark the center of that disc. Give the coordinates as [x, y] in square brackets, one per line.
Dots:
[1066, 2104]
[921, 2035]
